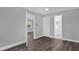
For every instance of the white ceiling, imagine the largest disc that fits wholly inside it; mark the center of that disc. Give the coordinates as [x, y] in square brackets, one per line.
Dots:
[41, 10]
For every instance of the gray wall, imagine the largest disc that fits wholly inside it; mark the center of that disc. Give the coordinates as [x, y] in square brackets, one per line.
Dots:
[12, 26]
[51, 25]
[38, 25]
[70, 26]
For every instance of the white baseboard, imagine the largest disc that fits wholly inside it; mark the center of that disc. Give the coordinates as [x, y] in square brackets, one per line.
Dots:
[66, 39]
[38, 37]
[48, 36]
[77, 41]
[10, 46]
[58, 38]
[42, 36]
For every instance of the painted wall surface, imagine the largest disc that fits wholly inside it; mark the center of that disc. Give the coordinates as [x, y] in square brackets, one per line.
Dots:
[12, 25]
[51, 25]
[71, 25]
[46, 26]
[38, 26]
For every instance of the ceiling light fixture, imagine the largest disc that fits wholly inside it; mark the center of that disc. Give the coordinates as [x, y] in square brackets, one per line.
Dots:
[46, 9]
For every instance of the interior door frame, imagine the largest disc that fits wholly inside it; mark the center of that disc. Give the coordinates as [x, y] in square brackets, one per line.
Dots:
[34, 26]
[26, 33]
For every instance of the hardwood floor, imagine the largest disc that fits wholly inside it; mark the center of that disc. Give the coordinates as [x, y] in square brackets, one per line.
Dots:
[50, 44]
[45, 44]
[21, 47]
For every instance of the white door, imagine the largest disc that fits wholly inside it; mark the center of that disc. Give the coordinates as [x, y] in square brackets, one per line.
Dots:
[58, 26]
[46, 26]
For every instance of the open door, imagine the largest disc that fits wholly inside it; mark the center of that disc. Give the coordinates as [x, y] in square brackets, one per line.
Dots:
[58, 26]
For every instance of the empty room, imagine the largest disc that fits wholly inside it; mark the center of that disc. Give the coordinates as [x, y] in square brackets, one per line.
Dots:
[53, 28]
[39, 29]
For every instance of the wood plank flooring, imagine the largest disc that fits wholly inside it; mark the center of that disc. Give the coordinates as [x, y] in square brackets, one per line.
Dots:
[21, 47]
[46, 44]
[50, 44]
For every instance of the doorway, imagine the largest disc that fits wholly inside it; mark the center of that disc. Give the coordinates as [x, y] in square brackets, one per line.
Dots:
[58, 26]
